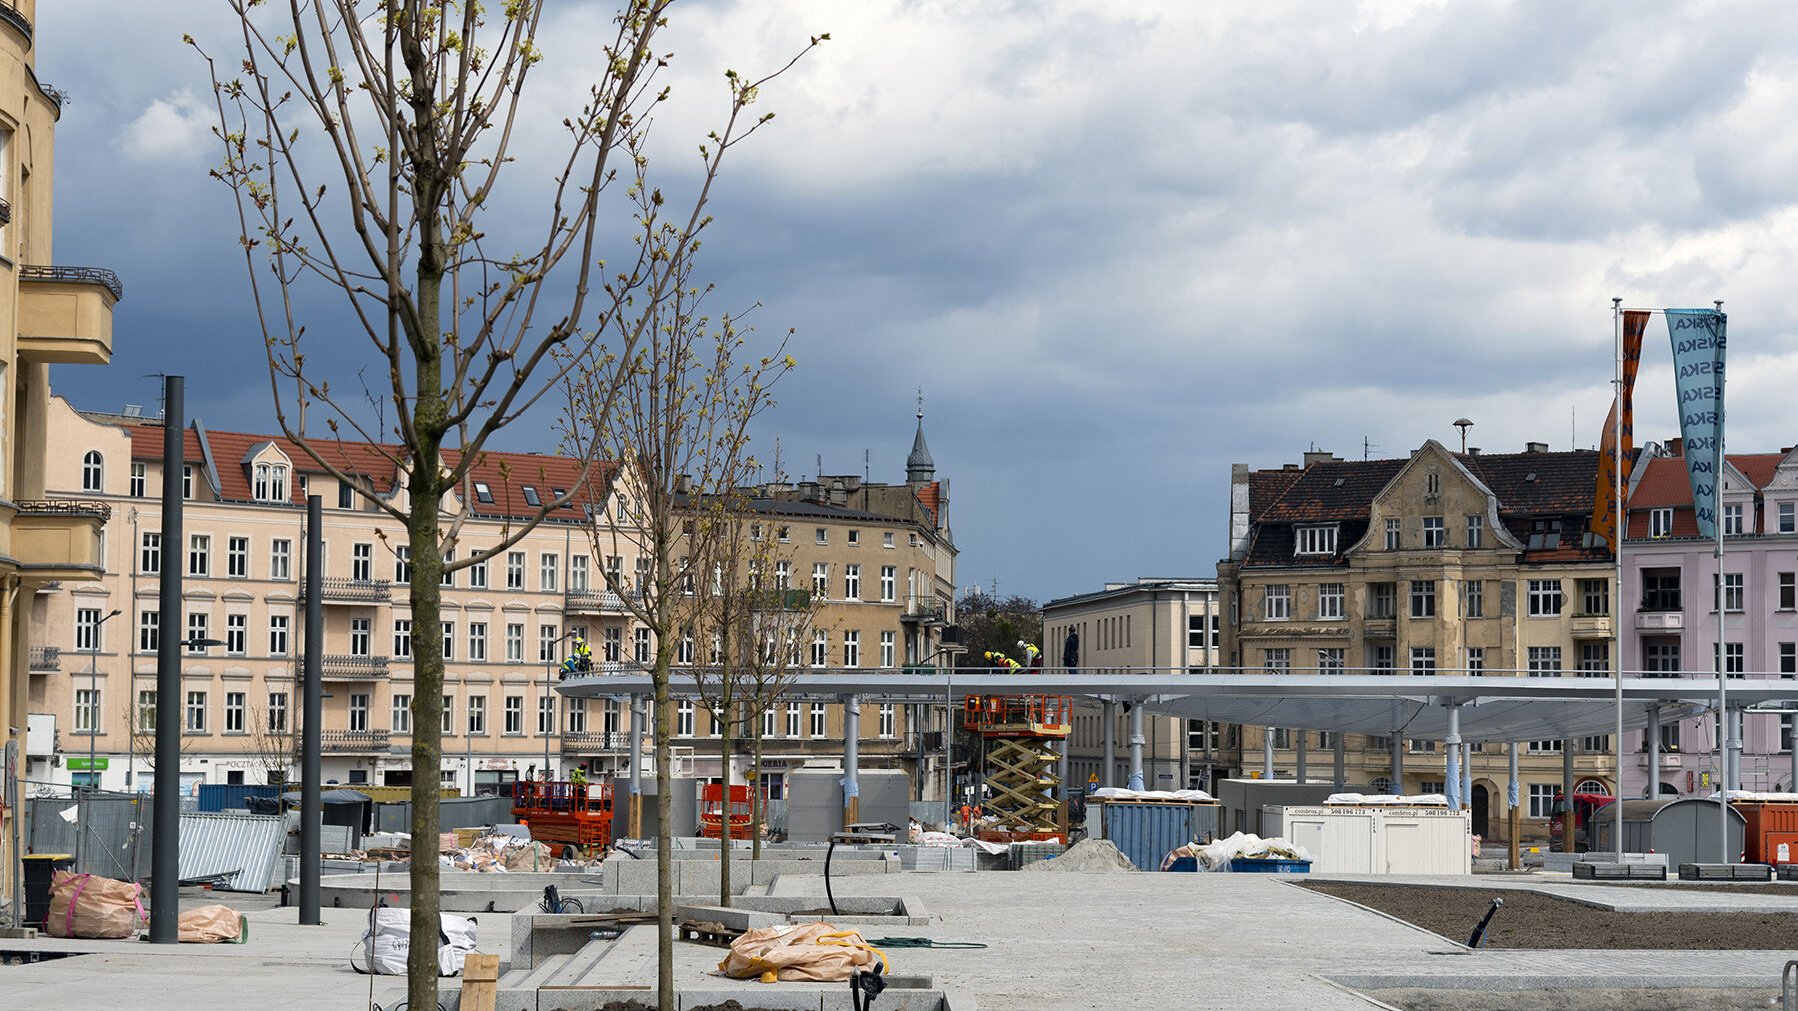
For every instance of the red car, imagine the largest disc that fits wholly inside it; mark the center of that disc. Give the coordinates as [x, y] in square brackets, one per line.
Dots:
[1584, 806]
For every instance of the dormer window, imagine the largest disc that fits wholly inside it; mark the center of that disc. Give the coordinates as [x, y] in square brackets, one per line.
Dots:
[530, 496]
[482, 493]
[1545, 534]
[271, 482]
[1317, 540]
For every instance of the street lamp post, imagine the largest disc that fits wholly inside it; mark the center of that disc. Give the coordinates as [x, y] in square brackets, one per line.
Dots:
[93, 694]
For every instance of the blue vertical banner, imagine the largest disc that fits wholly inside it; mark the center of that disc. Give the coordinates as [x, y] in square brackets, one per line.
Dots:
[1698, 337]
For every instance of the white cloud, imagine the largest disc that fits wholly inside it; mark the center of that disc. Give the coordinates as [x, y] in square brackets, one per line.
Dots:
[173, 129]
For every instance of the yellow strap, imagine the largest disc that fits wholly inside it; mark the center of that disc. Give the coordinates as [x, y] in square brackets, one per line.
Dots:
[837, 939]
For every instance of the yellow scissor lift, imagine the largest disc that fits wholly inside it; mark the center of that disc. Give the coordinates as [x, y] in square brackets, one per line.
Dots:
[1021, 778]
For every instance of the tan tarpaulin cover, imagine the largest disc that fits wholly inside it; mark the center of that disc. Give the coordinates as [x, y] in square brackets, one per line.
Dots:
[82, 905]
[816, 952]
[210, 925]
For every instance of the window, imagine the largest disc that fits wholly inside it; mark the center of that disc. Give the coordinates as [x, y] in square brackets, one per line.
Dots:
[1319, 540]
[683, 650]
[1331, 661]
[194, 717]
[1392, 534]
[359, 636]
[277, 712]
[483, 493]
[1329, 601]
[642, 649]
[362, 562]
[547, 638]
[1660, 657]
[187, 480]
[514, 570]
[237, 634]
[1788, 659]
[1476, 530]
[148, 622]
[449, 640]
[92, 472]
[146, 711]
[792, 719]
[277, 634]
[820, 649]
[613, 650]
[1595, 596]
[1594, 659]
[1423, 598]
[515, 642]
[889, 720]
[1476, 661]
[852, 582]
[1732, 520]
[1435, 533]
[577, 573]
[449, 715]
[140, 474]
[1473, 599]
[548, 564]
[402, 563]
[87, 629]
[1423, 659]
[889, 644]
[817, 715]
[1732, 659]
[1277, 603]
[477, 641]
[477, 575]
[1545, 534]
[149, 555]
[1545, 598]
[199, 554]
[821, 536]
[197, 623]
[889, 583]
[1382, 600]
[280, 559]
[1542, 795]
[1788, 591]
[1732, 592]
[1544, 661]
[546, 715]
[87, 710]
[477, 714]
[1277, 660]
[400, 714]
[1660, 590]
[402, 637]
[683, 718]
[237, 557]
[1788, 517]
[514, 714]
[1660, 522]
[234, 712]
[852, 649]
[346, 495]
[1195, 631]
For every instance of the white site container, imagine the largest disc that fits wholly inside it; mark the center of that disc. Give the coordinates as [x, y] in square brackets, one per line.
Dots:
[1382, 840]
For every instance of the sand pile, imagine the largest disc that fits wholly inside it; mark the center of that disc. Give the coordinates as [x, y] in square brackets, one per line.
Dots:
[1092, 855]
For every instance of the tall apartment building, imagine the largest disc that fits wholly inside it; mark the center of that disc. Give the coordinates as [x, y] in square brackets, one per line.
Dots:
[505, 627]
[1151, 624]
[1670, 586]
[49, 314]
[1439, 562]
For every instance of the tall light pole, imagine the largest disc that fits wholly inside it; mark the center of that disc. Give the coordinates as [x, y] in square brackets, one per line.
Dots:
[93, 694]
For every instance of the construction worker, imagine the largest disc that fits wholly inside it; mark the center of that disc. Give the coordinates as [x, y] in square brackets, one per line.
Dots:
[583, 654]
[994, 658]
[578, 776]
[1033, 657]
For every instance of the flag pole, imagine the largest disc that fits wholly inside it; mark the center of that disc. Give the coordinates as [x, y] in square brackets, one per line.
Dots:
[1619, 530]
[1725, 736]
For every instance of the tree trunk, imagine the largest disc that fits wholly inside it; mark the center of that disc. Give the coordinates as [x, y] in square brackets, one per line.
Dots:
[755, 790]
[664, 845]
[427, 727]
[727, 703]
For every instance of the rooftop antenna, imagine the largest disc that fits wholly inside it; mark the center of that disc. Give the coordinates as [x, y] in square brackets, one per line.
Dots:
[162, 407]
[820, 474]
[867, 469]
[1367, 448]
[1463, 424]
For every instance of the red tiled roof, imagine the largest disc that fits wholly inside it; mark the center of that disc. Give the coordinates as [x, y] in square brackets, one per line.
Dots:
[1665, 483]
[1331, 490]
[1266, 487]
[930, 497]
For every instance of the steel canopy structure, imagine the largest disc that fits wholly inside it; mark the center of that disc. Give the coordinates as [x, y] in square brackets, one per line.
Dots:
[1490, 708]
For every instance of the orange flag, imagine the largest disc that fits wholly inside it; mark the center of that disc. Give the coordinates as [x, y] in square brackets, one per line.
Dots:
[1610, 460]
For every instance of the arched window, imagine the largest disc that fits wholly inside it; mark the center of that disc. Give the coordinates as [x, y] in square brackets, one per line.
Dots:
[93, 471]
[1380, 786]
[261, 489]
[277, 486]
[1593, 785]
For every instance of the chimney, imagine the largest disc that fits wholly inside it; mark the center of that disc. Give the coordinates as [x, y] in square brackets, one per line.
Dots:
[1535, 447]
[1473, 451]
[1319, 456]
[683, 484]
[1677, 447]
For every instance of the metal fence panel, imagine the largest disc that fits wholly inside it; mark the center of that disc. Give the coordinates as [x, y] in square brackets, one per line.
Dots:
[244, 848]
[108, 833]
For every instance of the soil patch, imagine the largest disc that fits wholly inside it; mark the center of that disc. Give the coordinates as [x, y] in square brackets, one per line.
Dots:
[1100, 855]
[1595, 999]
[1532, 920]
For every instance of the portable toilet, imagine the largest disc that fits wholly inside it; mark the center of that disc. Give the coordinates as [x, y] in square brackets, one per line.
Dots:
[1772, 830]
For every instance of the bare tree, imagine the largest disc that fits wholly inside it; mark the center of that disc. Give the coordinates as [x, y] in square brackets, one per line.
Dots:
[722, 517]
[366, 142]
[680, 428]
[272, 748]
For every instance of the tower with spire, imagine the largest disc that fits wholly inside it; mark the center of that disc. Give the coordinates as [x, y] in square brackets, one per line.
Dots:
[920, 469]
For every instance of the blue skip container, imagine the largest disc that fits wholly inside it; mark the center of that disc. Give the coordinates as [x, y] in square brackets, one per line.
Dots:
[1247, 865]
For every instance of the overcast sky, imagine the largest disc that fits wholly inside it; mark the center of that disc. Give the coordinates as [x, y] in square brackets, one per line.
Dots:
[1118, 246]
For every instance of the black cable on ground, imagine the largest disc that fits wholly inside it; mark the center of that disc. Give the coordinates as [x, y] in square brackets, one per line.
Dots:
[921, 942]
[828, 853]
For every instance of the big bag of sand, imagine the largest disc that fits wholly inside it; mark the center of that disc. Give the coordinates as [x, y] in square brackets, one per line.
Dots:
[807, 952]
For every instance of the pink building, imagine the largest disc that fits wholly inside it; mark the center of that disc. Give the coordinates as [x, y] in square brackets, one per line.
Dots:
[1670, 591]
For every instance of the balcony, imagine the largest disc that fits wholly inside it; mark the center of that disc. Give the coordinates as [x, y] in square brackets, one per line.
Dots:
[1660, 621]
[60, 538]
[45, 659]
[1591, 626]
[1669, 760]
[925, 610]
[352, 668]
[65, 313]
[11, 15]
[353, 591]
[1380, 628]
[595, 742]
[596, 602]
[353, 741]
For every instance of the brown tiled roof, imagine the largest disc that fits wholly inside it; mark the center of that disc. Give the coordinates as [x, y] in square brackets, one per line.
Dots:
[1538, 483]
[1331, 490]
[1266, 487]
[930, 497]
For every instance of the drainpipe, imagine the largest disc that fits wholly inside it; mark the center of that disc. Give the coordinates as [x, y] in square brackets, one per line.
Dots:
[1136, 743]
[852, 733]
[1109, 778]
[1451, 747]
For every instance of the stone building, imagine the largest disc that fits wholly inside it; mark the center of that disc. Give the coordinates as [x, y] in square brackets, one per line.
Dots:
[1439, 563]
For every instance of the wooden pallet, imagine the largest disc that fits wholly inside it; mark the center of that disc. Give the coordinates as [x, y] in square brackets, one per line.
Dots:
[705, 932]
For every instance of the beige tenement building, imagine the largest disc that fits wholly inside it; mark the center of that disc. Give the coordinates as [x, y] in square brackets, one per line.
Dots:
[1151, 624]
[506, 624]
[49, 314]
[1439, 562]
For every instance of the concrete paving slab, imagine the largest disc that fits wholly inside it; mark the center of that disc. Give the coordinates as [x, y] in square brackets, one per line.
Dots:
[1646, 897]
